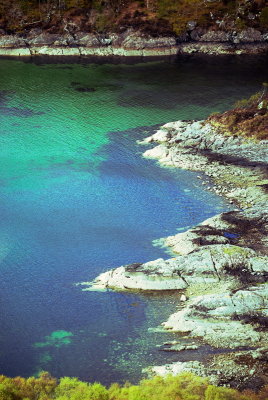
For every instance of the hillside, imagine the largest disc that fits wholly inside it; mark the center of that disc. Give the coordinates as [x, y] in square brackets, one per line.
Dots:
[248, 118]
[154, 17]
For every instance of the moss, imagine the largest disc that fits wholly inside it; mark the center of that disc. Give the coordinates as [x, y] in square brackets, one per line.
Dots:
[236, 250]
[243, 103]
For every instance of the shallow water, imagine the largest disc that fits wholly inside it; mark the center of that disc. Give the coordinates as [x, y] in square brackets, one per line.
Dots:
[77, 199]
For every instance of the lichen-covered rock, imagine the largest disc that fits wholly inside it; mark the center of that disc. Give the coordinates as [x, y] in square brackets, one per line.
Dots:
[44, 39]
[11, 41]
[154, 275]
[219, 318]
[186, 242]
[64, 40]
[241, 369]
[209, 264]
[242, 228]
[216, 36]
[87, 40]
[137, 41]
[176, 368]
[249, 35]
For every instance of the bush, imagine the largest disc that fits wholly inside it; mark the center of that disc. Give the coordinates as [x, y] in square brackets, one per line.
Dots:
[183, 387]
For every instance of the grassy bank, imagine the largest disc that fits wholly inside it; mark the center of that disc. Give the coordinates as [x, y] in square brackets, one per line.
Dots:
[248, 118]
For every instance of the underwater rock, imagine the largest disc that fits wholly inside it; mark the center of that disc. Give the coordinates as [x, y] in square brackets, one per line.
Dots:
[85, 89]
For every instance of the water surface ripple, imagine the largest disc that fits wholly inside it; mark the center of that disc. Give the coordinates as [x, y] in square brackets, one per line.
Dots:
[77, 198]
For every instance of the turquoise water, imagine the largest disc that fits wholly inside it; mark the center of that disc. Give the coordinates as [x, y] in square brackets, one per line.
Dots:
[77, 199]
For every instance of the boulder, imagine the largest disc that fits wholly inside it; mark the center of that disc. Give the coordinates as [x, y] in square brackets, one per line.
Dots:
[191, 25]
[216, 36]
[11, 41]
[197, 33]
[87, 40]
[176, 368]
[137, 41]
[65, 40]
[249, 35]
[44, 39]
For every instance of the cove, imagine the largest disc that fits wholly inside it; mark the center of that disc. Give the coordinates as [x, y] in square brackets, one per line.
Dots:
[77, 199]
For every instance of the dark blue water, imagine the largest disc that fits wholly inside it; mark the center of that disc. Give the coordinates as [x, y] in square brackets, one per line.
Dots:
[77, 199]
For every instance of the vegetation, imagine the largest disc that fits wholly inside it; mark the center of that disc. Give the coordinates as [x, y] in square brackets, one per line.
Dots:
[149, 16]
[249, 117]
[183, 387]
[264, 17]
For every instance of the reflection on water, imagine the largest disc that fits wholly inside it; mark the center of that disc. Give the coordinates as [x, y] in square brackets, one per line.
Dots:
[77, 199]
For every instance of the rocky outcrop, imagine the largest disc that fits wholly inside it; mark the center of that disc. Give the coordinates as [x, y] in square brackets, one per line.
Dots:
[134, 43]
[84, 44]
[230, 319]
[240, 369]
[233, 315]
[240, 228]
[237, 166]
[222, 263]
[208, 265]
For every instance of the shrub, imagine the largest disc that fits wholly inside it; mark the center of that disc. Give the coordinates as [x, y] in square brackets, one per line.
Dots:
[183, 387]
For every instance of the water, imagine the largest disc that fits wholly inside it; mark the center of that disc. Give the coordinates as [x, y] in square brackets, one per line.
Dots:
[77, 199]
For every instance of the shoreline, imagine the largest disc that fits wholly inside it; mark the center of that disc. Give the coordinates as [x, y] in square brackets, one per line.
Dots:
[191, 48]
[222, 263]
[132, 44]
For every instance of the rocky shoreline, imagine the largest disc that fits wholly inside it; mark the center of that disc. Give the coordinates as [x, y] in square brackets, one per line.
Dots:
[133, 44]
[221, 265]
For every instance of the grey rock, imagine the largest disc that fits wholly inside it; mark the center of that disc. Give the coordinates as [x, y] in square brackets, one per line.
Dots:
[34, 32]
[219, 318]
[197, 33]
[249, 35]
[44, 39]
[11, 41]
[87, 40]
[65, 40]
[216, 36]
[191, 25]
[137, 41]
[184, 37]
